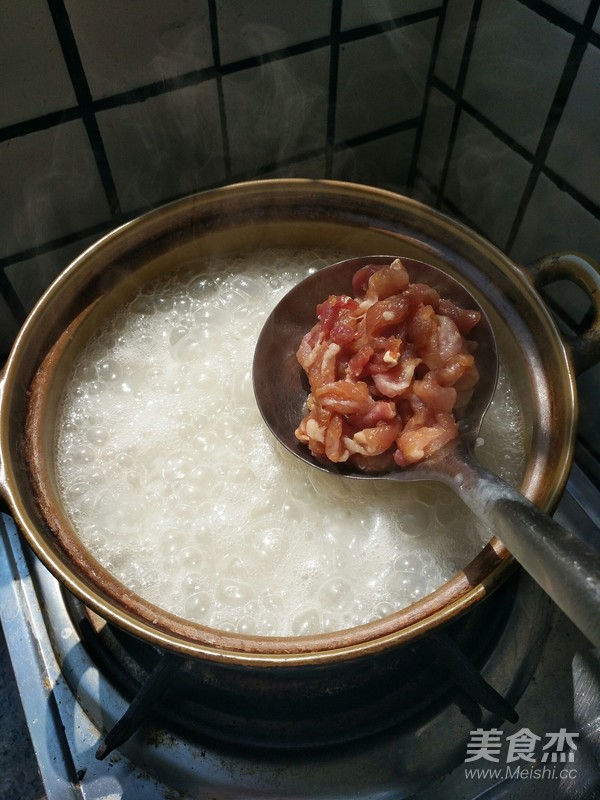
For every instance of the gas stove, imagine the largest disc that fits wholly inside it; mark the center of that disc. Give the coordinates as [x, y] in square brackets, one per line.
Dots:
[539, 683]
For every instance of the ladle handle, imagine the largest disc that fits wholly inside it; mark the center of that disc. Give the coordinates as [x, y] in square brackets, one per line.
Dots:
[561, 563]
[585, 273]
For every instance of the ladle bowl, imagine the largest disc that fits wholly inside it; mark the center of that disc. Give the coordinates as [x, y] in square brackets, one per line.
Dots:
[567, 570]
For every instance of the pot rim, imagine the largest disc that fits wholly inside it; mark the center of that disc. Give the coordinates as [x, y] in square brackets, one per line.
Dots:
[191, 639]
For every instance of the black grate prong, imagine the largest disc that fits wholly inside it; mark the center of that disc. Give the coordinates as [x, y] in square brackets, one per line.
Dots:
[468, 678]
[141, 705]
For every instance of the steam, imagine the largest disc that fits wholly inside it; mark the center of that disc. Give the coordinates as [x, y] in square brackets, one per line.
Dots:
[276, 111]
[164, 147]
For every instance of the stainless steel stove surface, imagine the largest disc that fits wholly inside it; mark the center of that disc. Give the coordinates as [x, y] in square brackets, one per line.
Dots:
[541, 665]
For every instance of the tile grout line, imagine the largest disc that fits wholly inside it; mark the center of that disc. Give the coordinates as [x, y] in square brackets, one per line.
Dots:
[426, 96]
[216, 51]
[141, 93]
[78, 78]
[334, 60]
[460, 85]
[589, 206]
[557, 107]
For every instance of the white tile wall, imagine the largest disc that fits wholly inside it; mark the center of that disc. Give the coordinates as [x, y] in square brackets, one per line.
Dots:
[385, 162]
[166, 146]
[486, 179]
[554, 221]
[262, 26]
[9, 326]
[574, 151]
[313, 168]
[126, 45]
[277, 111]
[423, 191]
[356, 13]
[576, 9]
[33, 275]
[436, 136]
[382, 79]
[34, 76]
[517, 60]
[452, 44]
[51, 187]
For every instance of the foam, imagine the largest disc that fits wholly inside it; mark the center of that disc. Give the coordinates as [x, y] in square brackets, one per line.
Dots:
[173, 482]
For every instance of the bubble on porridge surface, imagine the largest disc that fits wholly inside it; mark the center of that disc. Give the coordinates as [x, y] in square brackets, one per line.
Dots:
[173, 483]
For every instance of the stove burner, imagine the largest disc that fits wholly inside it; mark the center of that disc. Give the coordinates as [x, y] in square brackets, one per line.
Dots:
[141, 706]
[200, 700]
[406, 759]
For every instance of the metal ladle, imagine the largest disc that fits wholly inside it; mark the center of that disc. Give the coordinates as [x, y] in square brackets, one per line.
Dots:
[566, 569]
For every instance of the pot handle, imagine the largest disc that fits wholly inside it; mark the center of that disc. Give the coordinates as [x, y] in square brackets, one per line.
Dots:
[585, 272]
